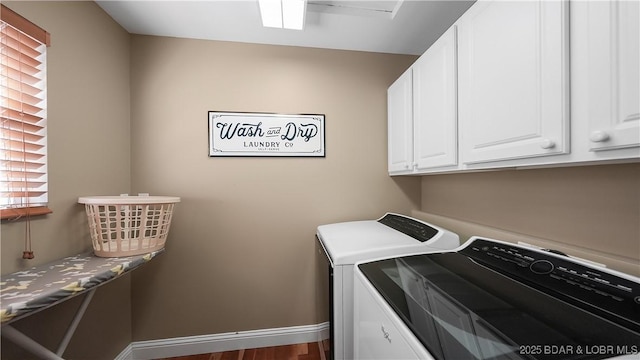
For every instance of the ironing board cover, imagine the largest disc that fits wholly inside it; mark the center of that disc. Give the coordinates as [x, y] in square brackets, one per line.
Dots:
[25, 292]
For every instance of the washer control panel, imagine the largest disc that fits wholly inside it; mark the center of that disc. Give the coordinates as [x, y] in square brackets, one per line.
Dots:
[554, 271]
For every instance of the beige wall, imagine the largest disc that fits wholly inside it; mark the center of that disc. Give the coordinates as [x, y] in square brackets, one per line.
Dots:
[589, 211]
[241, 253]
[88, 138]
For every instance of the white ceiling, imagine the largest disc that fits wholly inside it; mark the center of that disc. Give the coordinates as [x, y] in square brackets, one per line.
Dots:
[397, 26]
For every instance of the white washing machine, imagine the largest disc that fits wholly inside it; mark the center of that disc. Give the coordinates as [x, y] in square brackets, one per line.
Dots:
[494, 300]
[346, 243]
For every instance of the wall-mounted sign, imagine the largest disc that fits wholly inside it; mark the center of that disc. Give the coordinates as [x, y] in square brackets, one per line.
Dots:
[258, 134]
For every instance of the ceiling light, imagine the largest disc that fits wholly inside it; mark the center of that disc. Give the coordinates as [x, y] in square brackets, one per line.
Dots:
[288, 14]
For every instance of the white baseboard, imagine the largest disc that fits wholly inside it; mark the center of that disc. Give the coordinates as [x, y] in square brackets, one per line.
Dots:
[126, 354]
[202, 344]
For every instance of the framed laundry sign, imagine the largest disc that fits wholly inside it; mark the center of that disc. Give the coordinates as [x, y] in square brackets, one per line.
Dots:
[264, 134]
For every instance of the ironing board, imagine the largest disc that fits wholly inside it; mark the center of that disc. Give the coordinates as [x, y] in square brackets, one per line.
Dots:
[26, 292]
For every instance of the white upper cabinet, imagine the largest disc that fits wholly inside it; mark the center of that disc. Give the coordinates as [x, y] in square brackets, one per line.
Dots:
[435, 137]
[513, 80]
[510, 85]
[613, 76]
[400, 124]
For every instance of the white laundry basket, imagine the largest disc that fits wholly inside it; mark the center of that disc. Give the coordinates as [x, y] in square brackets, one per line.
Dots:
[128, 225]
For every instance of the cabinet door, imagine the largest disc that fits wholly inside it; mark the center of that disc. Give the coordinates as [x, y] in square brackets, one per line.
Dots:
[613, 74]
[435, 138]
[513, 80]
[400, 124]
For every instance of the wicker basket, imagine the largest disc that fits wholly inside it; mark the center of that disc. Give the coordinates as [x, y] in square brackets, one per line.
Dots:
[128, 225]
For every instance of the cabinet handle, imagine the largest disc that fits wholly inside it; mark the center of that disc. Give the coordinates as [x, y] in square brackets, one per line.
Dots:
[547, 144]
[599, 136]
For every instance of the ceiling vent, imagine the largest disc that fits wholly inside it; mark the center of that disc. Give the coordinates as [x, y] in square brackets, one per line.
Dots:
[376, 8]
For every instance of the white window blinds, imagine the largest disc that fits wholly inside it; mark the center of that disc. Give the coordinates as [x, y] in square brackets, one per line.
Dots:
[23, 141]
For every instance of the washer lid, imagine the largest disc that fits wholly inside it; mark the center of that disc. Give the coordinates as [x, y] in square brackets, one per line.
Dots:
[349, 242]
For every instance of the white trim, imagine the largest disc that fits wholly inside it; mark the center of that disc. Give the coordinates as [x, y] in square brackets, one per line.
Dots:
[202, 344]
[126, 354]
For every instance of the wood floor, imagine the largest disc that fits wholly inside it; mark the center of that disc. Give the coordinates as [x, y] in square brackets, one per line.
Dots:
[308, 351]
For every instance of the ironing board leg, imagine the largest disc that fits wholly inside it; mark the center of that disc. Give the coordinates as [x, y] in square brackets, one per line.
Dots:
[31, 345]
[27, 343]
[76, 320]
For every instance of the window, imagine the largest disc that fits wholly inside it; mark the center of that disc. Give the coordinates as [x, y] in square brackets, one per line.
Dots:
[23, 139]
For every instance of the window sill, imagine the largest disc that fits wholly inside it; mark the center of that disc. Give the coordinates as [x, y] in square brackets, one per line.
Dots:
[15, 214]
